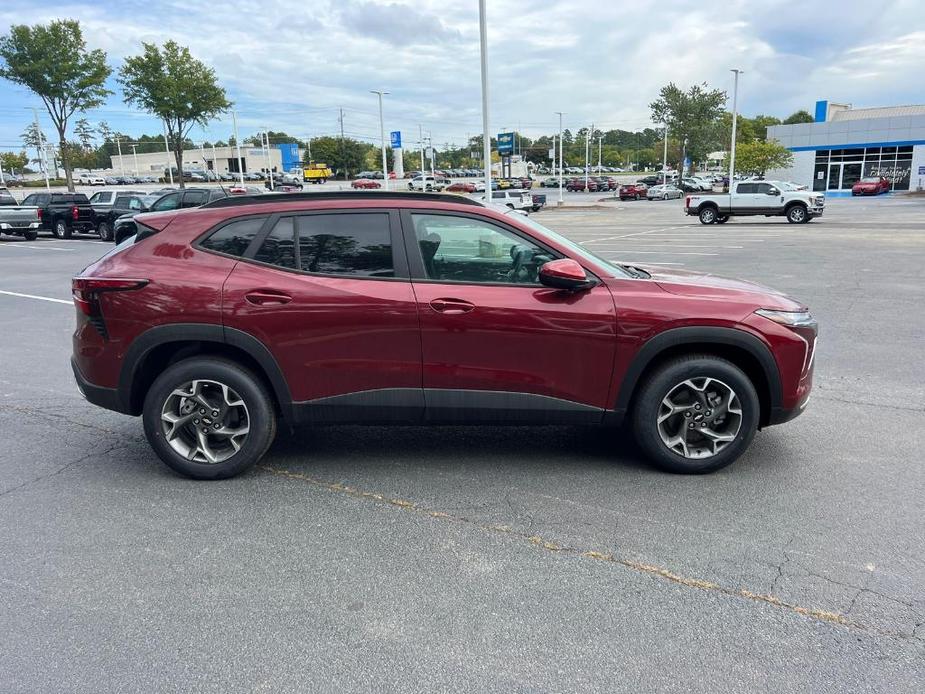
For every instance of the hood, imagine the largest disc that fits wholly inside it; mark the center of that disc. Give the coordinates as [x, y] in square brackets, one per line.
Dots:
[707, 285]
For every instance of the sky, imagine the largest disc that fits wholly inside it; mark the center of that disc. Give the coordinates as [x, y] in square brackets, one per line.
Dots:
[291, 65]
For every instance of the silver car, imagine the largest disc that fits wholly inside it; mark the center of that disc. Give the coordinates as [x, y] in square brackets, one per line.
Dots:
[663, 192]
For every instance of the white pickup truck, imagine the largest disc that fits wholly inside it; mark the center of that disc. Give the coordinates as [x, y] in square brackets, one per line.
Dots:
[754, 198]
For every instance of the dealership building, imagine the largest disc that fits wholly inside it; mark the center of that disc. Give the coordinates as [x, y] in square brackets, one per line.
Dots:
[279, 157]
[845, 144]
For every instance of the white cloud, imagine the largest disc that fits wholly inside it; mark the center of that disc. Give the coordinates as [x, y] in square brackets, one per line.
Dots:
[289, 66]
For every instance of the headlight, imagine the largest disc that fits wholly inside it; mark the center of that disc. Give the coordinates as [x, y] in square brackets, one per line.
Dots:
[792, 319]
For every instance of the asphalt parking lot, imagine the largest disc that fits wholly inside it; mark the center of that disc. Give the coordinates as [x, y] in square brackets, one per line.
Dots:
[488, 559]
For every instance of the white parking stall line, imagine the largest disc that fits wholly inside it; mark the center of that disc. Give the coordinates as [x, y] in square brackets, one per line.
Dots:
[40, 298]
[38, 248]
[674, 245]
[635, 252]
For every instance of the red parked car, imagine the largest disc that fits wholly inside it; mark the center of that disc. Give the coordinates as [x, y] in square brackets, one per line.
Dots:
[460, 187]
[871, 185]
[577, 185]
[217, 323]
[633, 191]
[365, 183]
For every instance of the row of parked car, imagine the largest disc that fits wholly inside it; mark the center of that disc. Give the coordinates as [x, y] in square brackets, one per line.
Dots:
[91, 179]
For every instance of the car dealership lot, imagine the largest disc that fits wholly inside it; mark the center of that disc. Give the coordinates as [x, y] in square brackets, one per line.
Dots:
[488, 558]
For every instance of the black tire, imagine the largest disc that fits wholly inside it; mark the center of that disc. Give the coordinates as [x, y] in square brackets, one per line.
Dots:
[260, 410]
[797, 214]
[60, 229]
[636, 197]
[30, 235]
[722, 219]
[660, 383]
[105, 231]
[708, 215]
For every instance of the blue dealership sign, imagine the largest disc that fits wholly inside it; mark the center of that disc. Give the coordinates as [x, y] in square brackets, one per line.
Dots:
[505, 143]
[396, 139]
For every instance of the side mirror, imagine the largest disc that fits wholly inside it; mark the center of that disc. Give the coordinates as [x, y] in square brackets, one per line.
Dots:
[565, 273]
[773, 191]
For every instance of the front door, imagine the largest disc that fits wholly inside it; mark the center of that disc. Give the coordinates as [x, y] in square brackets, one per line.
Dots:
[496, 344]
[327, 296]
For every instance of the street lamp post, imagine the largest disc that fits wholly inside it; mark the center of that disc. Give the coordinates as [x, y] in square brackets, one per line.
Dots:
[665, 157]
[561, 163]
[135, 157]
[237, 142]
[167, 152]
[385, 171]
[732, 146]
[486, 139]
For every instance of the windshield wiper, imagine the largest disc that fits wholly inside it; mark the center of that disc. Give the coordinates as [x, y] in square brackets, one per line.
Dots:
[636, 272]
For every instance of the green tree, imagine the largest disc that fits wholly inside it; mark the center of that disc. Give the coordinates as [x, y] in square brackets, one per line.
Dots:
[758, 157]
[10, 161]
[693, 115]
[84, 133]
[800, 116]
[53, 62]
[345, 157]
[177, 88]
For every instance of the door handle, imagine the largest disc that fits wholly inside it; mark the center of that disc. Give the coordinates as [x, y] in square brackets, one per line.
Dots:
[267, 297]
[451, 306]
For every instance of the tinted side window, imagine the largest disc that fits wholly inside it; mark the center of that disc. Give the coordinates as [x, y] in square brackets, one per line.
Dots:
[171, 201]
[746, 188]
[31, 200]
[346, 244]
[195, 198]
[279, 246]
[234, 238]
[80, 199]
[763, 188]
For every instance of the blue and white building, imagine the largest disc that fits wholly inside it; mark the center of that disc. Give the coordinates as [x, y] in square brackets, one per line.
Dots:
[845, 144]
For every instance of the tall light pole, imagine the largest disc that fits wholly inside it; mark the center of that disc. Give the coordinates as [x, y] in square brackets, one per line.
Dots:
[237, 142]
[266, 155]
[486, 139]
[588, 155]
[135, 157]
[43, 155]
[421, 136]
[121, 164]
[665, 157]
[385, 171]
[561, 163]
[732, 146]
[600, 146]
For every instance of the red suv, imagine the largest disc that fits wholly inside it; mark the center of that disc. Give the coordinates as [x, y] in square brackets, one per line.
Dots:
[215, 323]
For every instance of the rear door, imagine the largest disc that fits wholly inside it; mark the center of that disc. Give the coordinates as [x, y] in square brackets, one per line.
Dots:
[746, 200]
[328, 293]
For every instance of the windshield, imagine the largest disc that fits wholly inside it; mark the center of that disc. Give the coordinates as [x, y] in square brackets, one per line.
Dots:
[575, 248]
[870, 179]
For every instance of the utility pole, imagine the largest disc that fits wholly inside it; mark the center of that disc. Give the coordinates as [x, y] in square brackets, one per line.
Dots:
[588, 155]
[486, 140]
[237, 142]
[600, 144]
[167, 152]
[732, 147]
[385, 170]
[135, 157]
[214, 159]
[561, 163]
[202, 153]
[421, 136]
[342, 159]
[43, 158]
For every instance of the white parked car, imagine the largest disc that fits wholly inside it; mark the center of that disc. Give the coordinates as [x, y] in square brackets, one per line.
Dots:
[513, 199]
[663, 192]
[88, 179]
[428, 183]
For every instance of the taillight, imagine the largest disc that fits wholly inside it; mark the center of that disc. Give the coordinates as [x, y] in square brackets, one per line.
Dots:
[86, 291]
[687, 202]
[75, 213]
[40, 213]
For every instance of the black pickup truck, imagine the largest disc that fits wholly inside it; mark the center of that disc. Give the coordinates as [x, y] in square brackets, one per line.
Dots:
[124, 226]
[63, 213]
[122, 204]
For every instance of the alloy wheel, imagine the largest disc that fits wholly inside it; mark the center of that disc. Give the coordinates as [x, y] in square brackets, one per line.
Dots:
[699, 417]
[205, 421]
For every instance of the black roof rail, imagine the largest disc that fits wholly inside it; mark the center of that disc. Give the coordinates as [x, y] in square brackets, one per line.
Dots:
[243, 200]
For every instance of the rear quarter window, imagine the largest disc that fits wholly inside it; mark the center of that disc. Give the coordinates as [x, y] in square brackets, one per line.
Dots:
[234, 238]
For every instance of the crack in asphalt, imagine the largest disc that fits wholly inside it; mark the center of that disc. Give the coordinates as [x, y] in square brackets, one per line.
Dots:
[61, 469]
[662, 573]
[54, 416]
